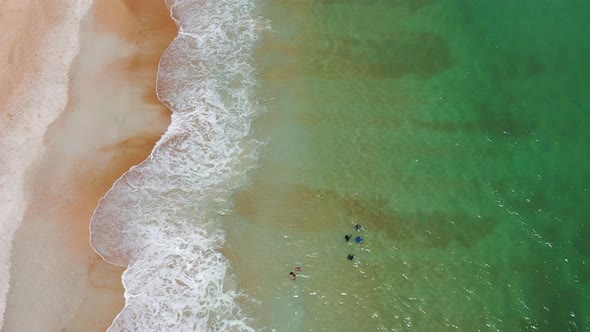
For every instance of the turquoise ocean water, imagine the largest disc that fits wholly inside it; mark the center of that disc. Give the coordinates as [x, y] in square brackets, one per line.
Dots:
[455, 131]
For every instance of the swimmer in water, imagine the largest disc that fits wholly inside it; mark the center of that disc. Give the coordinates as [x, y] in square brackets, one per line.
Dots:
[351, 257]
[347, 237]
[358, 239]
[292, 275]
[357, 227]
[298, 268]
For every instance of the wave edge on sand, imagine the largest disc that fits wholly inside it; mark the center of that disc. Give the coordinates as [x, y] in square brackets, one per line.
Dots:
[111, 121]
[159, 218]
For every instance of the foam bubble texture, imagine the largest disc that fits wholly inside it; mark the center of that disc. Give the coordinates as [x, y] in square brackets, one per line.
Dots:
[161, 217]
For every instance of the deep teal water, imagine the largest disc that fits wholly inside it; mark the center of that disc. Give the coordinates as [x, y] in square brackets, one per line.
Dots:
[456, 132]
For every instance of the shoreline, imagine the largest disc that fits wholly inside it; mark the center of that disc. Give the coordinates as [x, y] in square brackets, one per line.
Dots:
[111, 122]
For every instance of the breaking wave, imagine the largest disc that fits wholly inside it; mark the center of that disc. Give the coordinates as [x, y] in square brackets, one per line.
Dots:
[161, 219]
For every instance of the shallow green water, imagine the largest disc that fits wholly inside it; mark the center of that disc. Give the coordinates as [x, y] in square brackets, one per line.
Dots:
[455, 132]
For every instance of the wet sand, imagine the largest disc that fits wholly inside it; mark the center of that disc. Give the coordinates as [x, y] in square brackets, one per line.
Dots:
[111, 122]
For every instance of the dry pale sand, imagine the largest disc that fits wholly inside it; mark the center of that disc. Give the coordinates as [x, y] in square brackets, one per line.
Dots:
[37, 45]
[111, 121]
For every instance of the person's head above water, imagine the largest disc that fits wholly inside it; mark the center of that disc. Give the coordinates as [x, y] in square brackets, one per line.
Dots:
[351, 256]
[298, 268]
[292, 275]
[347, 237]
[358, 239]
[357, 227]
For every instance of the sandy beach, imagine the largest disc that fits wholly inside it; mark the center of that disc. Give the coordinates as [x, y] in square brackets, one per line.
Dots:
[109, 122]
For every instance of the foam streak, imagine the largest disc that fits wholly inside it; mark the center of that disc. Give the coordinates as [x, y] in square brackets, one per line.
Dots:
[160, 218]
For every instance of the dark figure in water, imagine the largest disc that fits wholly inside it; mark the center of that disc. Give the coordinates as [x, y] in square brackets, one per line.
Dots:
[351, 257]
[357, 227]
[347, 237]
[292, 275]
[358, 239]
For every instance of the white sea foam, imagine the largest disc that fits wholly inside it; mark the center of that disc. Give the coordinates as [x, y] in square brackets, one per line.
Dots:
[36, 104]
[161, 217]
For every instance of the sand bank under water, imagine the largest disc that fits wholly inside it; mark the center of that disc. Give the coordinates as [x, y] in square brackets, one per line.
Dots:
[111, 122]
